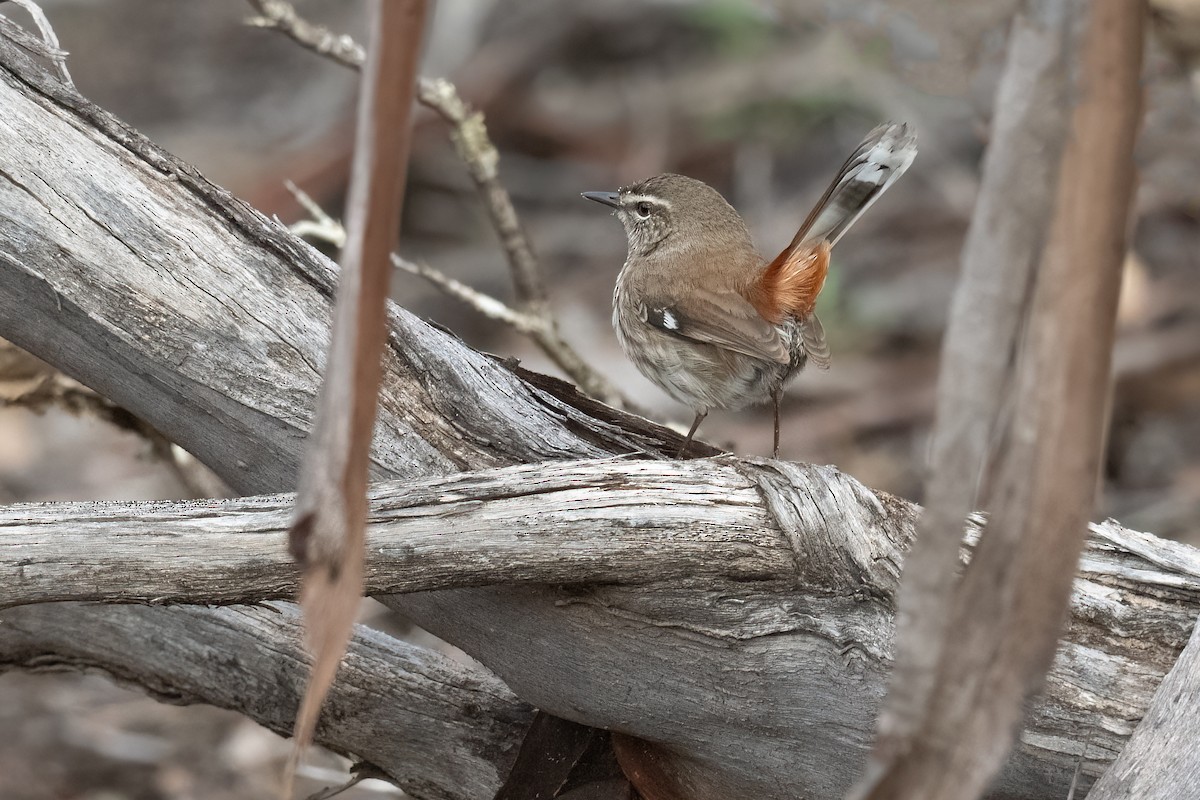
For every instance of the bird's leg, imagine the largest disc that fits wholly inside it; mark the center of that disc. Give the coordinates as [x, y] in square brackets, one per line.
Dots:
[776, 397]
[700, 415]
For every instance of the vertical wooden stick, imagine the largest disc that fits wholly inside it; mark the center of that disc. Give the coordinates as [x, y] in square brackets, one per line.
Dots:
[327, 536]
[1007, 611]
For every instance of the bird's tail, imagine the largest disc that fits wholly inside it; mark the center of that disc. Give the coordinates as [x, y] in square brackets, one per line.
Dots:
[789, 285]
[880, 159]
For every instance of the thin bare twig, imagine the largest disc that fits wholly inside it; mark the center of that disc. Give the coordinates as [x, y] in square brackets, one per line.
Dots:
[485, 304]
[533, 317]
[281, 16]
[367, 772]
[321, 227]
[470, 137]
[318, 214]
[475, 148]
[327, 229]
[55, 390]
[48, 47]
[334, 791]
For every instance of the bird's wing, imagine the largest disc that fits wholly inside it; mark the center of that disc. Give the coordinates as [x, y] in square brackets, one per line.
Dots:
[718, 317]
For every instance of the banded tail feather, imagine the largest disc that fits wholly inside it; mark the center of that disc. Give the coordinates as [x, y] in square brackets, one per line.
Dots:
[791, 282]
[879, 160]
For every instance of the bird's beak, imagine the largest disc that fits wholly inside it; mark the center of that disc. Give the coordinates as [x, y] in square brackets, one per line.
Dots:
[607, 198]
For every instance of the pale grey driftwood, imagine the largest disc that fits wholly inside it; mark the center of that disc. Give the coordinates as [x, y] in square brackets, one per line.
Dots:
[593, 522]
[593, 526]
[130, 272]
[1162, 759]
[439, 728]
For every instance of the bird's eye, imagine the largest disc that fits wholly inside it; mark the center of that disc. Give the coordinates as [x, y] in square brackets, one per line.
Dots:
[642, 209]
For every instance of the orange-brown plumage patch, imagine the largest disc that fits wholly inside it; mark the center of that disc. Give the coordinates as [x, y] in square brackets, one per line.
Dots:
[790, 284]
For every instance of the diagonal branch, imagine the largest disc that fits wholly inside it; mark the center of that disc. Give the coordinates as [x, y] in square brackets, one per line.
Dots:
[279, 15]
[327, 229]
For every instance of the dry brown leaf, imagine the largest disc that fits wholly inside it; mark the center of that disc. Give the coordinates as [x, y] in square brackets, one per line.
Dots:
[327, 536]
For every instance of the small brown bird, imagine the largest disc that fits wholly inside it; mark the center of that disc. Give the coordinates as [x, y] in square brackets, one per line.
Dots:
[702, 314]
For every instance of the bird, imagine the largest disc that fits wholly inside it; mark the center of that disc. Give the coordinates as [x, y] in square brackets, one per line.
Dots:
[702, 314]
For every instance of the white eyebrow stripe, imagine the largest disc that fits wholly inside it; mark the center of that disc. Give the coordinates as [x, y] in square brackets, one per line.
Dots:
[649, 198]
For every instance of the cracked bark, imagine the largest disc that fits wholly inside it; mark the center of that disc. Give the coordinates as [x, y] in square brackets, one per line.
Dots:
[130, 272]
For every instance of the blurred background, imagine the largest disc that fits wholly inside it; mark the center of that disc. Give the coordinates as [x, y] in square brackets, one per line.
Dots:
[763, 100]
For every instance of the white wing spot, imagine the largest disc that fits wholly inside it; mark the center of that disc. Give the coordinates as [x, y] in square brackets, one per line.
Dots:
[668, 320]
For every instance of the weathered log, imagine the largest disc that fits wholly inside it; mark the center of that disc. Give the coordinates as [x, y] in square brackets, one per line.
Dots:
[130, 272]
[615, 523]
[250, 659]
[558, 523]
[601, 523]
[1161, 759]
